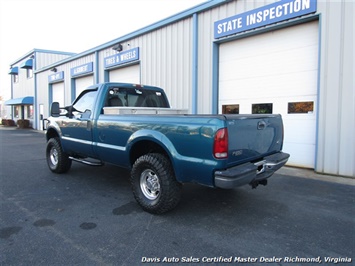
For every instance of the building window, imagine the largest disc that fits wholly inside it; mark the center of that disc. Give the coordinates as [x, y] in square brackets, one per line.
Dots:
[29, 111]
[300, 108]
[261, 108]
[29, 73]
[15, 77]
[230, 109]
[17, 111]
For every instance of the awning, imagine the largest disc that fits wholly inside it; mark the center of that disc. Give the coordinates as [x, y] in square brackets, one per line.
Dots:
[13, 71]
[20, 101]
[27, 64]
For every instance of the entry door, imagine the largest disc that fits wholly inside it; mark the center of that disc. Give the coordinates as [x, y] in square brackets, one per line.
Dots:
[275, 72]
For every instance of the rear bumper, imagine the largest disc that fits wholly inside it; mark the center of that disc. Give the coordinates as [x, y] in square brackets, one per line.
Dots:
[250, 172]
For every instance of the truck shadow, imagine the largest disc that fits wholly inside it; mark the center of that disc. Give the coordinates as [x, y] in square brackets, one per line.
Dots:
[197, 202]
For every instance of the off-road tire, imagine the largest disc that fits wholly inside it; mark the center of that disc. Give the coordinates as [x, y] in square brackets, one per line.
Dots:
[154, 185]
[58, 161]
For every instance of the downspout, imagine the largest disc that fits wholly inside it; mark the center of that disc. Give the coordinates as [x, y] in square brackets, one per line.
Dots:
[35, 111]
[12, 96]
[96, 71]
[317, 167]
[215, 77]
[194, 63]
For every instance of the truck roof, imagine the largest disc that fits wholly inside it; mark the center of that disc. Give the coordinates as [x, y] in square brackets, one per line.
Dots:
[126, 85]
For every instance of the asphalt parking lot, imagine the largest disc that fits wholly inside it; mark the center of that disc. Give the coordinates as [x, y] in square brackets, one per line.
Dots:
[89, 217]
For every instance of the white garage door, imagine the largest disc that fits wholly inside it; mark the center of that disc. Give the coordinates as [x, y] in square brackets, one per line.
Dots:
[82, 83]
[58, 93]
[130, 74]
[275, 72]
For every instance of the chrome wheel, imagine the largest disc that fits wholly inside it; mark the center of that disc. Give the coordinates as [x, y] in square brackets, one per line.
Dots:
[53, 156]
[58, 161]
[153, 183]
[150, 185]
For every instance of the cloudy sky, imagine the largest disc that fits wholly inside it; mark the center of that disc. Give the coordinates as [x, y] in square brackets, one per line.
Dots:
[72, 25]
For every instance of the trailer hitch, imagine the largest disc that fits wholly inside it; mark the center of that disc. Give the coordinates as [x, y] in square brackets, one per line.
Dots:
[255, 183]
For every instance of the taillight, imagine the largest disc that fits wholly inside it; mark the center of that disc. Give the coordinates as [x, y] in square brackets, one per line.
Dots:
[220, 145]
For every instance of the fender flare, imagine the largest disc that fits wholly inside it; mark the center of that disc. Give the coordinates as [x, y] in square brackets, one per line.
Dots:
[161, 140]
[53, 127]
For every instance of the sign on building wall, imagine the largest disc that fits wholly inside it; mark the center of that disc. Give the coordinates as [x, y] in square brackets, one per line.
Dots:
[122, 57]
[266, 15]
[56, 77]
[82, 69]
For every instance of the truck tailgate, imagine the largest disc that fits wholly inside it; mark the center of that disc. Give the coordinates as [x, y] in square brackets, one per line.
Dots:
[251, 137]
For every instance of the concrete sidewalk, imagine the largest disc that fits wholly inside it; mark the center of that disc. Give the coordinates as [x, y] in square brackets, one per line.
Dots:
[309, 173]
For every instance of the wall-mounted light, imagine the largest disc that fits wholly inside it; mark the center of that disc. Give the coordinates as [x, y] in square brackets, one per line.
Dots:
[54, 69]
[118, 47]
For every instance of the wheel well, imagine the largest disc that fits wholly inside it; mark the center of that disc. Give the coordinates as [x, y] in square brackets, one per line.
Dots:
[51, 133]
[143, 147]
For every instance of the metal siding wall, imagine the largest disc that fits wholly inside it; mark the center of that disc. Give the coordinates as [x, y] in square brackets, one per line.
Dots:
[45, 59]
[42, 82]
[42, 92]
[336, 130]
[166, 60]
[25, 86]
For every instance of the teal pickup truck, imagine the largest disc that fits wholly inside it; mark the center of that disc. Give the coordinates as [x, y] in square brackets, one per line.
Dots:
[133, 126]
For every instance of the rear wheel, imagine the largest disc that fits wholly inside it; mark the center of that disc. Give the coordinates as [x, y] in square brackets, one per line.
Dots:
[154, 185]
[58, 161]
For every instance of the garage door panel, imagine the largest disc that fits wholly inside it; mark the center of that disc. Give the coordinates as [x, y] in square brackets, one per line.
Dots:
[271, 42]
[295, 131]
[58, 93]
[301, 154]
[276, 67]
[129, 74]
[285, 63]
[297, 84]
[82, 83]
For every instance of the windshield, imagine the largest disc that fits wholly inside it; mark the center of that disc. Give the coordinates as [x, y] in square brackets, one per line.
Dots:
[134, 97]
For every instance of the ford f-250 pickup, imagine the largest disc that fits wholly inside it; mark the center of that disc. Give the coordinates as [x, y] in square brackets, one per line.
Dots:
[133, 126]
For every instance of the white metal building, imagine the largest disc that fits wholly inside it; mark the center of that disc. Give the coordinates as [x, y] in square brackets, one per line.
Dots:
[293, 57]
[23, 82]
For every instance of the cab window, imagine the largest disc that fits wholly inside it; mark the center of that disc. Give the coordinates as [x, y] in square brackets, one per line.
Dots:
[133, 97]
[85, 102]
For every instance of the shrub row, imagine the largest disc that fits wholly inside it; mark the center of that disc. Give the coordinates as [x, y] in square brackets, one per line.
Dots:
[21, 123]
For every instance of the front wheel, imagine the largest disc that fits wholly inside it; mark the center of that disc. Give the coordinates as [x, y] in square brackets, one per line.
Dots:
[154, 185]
[58, 161]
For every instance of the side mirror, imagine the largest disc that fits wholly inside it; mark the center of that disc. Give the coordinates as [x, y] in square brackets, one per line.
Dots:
[55, 110]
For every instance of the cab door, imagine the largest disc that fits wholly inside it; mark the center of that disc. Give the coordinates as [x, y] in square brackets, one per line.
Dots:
[77, 127]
